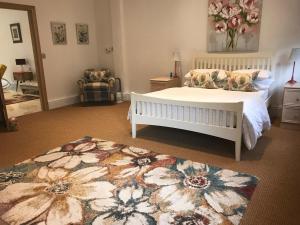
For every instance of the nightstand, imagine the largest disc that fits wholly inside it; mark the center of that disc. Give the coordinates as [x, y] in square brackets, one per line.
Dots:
[160, 83]
[22, 76]
[291, 104]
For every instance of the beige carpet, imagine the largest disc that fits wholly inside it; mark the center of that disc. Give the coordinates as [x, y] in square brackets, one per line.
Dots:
[276, 159]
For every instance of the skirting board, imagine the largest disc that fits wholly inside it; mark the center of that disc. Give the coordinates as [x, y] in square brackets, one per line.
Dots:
[61, 102]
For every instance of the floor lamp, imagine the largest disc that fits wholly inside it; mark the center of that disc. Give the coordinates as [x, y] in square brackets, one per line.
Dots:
[295, 55]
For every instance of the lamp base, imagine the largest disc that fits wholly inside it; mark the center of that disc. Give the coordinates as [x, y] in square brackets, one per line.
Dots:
[292, 82]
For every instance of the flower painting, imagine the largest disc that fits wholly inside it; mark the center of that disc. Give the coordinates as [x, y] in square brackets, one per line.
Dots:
[233, 25]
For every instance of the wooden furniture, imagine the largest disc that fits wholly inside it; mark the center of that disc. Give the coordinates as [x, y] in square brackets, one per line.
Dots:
[160, 83]
[22, 76]
[291, 104]
[3, 112]
[155, 111]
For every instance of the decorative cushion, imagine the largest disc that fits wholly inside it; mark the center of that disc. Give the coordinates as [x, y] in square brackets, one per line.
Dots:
[262, 74]
[217, 75]
[240, 81]
[97, 75]
[204, 79]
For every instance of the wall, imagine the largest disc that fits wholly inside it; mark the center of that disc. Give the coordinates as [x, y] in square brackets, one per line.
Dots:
[149, 31]
[11, 51]
[104, 33]
[64, 64]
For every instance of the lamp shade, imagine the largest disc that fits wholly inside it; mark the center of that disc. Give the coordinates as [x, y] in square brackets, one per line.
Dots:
[295, 54]
[176, 56]
[20, 62]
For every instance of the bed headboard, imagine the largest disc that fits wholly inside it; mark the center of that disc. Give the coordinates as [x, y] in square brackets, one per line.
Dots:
[228, 61]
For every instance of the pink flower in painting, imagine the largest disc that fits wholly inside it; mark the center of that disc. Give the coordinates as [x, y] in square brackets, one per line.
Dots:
[253, 16]
[214, 8]
[244, 28]
[229, 11]
[248, 4]
[234, 22]
[220, 27]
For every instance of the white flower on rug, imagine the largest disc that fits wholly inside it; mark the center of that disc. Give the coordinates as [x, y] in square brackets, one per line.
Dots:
[70, 156]
[201, 216]
[130, 207]
[189, 184]
[56, 193]
[107, 145]
[140, 160]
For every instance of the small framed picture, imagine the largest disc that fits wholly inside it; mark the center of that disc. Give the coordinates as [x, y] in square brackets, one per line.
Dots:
[59, 33]
[82, 33]
[16, 34]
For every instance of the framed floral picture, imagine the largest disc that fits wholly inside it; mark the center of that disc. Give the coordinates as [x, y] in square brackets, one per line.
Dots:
[59, 33]
[82, 33]
[234, 25]
[16, 34]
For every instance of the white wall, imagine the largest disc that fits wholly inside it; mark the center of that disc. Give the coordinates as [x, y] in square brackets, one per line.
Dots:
[104, 33]
[64, 64]
[149, 31]
[11, 51]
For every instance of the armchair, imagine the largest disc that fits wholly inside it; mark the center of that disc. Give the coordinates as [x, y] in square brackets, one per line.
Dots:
[98, 86]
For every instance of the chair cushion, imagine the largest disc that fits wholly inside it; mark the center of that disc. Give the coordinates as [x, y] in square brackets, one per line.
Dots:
[96, 75]
[96, 86]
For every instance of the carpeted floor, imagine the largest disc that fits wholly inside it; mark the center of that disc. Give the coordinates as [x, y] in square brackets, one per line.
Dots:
[275, 160]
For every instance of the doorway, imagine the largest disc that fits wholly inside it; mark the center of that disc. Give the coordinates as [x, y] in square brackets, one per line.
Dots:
[23, 82]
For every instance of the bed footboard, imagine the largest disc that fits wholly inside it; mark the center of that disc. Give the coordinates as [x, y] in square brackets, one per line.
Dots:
[222, 120]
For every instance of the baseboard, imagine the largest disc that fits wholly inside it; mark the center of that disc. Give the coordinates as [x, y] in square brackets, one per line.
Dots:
[126, 96]
[61, 102]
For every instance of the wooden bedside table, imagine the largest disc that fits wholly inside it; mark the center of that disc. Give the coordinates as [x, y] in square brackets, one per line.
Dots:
[160, 83]
[291, 104]
[22, 76]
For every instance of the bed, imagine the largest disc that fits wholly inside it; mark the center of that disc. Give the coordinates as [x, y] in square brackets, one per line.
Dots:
[216, 112]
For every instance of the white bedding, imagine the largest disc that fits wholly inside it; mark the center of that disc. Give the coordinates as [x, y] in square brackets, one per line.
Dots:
[256, 117]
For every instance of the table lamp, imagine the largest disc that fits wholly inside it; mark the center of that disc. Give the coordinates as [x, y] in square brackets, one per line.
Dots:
[21, 62]
[176, 59]
[295, 55]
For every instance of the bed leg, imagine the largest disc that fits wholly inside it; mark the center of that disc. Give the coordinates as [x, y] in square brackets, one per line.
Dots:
[238, 150]
[133, 130]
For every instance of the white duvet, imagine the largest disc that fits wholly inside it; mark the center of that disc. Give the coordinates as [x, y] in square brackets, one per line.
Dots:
[256, 117]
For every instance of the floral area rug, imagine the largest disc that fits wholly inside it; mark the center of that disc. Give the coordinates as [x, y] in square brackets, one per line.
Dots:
[93, 181]
[17, 98]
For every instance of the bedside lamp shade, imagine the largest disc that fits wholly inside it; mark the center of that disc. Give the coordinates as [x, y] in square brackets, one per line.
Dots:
[20, 62]
[295, 55]
[176, 56]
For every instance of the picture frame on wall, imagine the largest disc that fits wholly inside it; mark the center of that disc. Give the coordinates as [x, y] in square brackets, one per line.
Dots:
[59, 33]
[16, 34]
[234, 26]
[82, 33]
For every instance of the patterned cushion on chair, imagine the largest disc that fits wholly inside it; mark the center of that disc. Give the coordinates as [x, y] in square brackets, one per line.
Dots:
[97, 75]
[96, 86]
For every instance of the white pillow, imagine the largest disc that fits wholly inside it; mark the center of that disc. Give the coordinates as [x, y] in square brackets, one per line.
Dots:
[263, 74]
[263, 84]
[221, 75]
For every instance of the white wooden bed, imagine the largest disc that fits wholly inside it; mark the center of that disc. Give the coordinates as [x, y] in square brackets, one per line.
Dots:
[222, 120]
